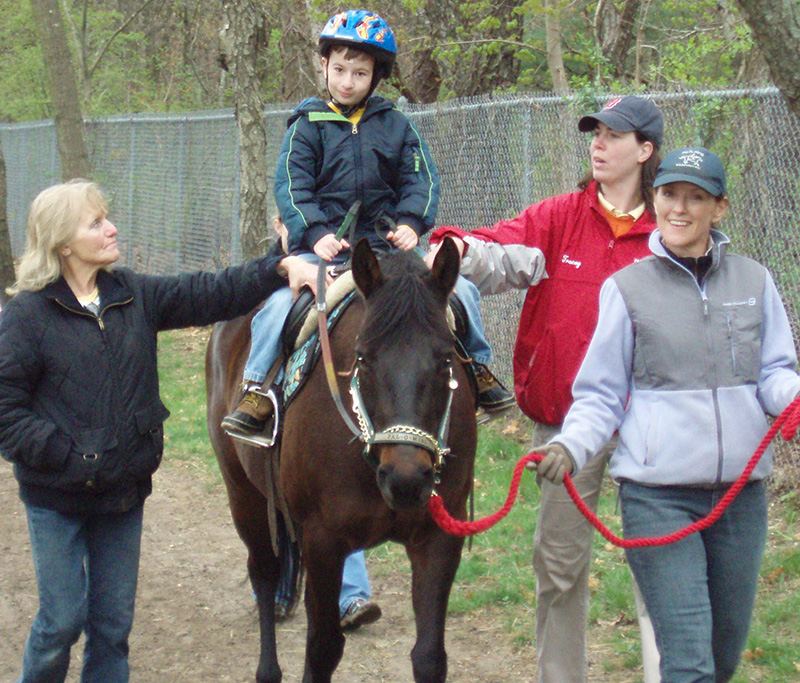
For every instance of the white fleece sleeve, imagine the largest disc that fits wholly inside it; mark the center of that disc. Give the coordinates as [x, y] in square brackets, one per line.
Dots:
[603, 383]
[495, 268]
[778, 382]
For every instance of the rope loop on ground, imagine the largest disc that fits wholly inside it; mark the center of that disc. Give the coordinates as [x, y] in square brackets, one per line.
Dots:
[787, 423]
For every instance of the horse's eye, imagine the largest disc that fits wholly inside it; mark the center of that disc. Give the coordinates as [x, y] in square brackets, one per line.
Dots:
[363, 361]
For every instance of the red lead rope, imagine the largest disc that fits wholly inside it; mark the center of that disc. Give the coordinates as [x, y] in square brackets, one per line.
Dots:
[787, 423]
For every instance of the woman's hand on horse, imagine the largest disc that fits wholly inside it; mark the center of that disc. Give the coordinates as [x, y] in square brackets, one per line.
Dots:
[302, 273]
[327, 247]
[403, 238]
[556, 463]
[431, 255]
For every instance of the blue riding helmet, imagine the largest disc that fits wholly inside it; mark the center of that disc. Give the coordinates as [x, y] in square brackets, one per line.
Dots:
[362, 30]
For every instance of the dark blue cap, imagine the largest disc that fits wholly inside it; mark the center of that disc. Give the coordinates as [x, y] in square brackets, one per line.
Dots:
[628, 113]
[696, 165]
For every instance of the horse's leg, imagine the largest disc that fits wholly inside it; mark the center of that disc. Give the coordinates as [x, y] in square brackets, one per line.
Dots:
[324, 562]
[434, 562]
[248, 509]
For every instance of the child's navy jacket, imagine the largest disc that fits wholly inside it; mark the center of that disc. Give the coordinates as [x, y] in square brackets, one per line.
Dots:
[326, 163]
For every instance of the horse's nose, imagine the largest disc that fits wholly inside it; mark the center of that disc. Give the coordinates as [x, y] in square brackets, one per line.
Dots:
[405, 477]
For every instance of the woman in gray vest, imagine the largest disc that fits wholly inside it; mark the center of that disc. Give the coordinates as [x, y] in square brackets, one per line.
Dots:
[692, 350]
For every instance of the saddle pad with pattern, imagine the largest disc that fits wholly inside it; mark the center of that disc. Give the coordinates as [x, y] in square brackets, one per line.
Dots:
[303, 360]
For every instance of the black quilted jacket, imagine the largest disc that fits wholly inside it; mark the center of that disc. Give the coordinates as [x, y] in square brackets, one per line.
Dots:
[80, 412]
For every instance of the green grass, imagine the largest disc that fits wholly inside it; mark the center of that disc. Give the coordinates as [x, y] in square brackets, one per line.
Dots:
[181, 365]
[496, 577]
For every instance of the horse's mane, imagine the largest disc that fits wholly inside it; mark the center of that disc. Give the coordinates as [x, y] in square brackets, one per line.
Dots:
[405, 305]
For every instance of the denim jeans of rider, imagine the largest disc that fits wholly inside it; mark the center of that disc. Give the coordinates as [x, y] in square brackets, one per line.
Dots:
[699, 591]
[86, 572]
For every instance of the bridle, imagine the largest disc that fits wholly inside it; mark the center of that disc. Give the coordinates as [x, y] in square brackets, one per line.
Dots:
[404, 434]
[364, 431]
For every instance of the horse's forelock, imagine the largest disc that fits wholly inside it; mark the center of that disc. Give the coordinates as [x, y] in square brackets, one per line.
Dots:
[405, 305]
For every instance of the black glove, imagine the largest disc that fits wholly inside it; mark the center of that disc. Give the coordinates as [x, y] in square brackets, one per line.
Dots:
[557, 462]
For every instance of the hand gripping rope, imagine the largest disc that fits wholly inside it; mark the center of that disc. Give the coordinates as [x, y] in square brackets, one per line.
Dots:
[787, 423]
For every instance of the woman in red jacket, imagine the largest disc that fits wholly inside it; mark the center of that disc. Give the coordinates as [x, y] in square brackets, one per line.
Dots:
[562, 249]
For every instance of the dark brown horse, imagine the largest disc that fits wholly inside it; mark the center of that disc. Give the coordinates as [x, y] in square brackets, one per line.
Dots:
[395, 352]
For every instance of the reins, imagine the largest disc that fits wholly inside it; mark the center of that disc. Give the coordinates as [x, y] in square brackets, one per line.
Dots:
[322, 324]
[787, 423]
[327, 356]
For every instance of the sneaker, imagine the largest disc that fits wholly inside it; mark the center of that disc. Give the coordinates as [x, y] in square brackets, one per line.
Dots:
[251, 415]
[360, 613]
[493, 397]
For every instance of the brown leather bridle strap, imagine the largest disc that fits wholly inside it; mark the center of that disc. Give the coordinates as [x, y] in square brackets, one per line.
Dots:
[327, 356]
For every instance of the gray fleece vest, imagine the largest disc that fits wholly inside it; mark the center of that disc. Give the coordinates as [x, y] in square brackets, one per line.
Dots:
[688, 338]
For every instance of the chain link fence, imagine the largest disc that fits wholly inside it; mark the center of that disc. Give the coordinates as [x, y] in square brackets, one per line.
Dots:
[173, 180]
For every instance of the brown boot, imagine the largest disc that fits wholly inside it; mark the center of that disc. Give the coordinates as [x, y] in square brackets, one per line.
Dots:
[493, 397]
[251, 415]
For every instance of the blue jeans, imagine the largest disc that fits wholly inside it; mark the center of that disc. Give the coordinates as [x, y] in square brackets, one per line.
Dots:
[266, 328]
[701, 590]
[475, 342]
[267, 325]
[355, 582]
[86, 572]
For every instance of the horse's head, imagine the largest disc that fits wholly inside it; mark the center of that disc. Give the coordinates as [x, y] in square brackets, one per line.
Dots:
[404, 371]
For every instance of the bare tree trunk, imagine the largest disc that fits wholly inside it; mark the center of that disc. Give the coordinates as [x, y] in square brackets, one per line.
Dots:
[776, 27]
[7, 276]
[555, 55]
[615, 32]
[637, 75]
[618, 55]
[313, 34]
[242, 36]
[63, 89]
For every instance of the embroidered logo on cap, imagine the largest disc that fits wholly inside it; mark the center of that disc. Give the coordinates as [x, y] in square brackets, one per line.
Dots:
[691, 158]
[613, 103]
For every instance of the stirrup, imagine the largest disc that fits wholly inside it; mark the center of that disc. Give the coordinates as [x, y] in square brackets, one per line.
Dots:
[261, 440]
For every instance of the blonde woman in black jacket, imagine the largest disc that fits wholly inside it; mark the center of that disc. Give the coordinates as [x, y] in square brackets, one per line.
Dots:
[81, 418]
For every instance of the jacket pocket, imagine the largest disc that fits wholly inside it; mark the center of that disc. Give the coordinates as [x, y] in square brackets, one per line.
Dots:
[744, 330]
[150, 427]
[86, 457]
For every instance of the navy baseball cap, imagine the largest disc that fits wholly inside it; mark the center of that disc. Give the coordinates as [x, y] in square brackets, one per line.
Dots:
[628, 113]
[696, 165]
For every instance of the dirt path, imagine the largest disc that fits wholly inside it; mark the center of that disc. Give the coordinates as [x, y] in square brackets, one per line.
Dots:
[196, 618]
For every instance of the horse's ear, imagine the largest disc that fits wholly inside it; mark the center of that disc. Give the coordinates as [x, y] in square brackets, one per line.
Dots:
[366, 269]
[445, 267]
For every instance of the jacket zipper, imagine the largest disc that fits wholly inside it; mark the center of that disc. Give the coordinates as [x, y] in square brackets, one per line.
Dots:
[359, 188]
[730, 341]
[102, 326]
[710, 346]
[715, 386]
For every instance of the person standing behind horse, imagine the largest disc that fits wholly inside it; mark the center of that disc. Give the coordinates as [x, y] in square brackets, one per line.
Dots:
[81, 418]
[562, 249]
[354, 147]
[692, 347]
